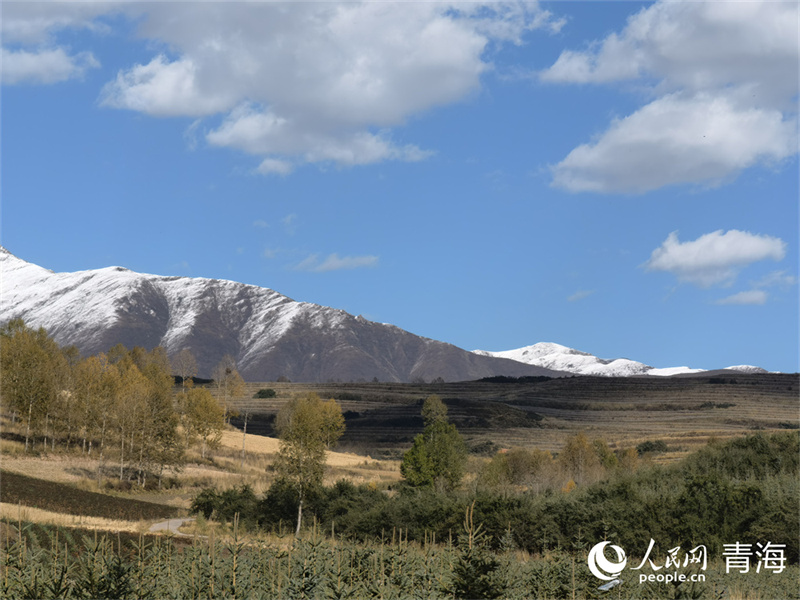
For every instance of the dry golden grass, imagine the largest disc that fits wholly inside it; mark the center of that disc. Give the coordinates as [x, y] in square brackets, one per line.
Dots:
[14, 512]
[259, 444]
[360, 469]
[54, 467]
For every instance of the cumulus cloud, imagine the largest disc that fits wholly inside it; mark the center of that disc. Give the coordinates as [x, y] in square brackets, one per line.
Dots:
[164, 88]
[756, 297]
[733, 62]
[702, 139]
[276, 166]
[30, 54]
[714, 258]
[316, 82]
[334, 262]
[44, 66]
[35, 23]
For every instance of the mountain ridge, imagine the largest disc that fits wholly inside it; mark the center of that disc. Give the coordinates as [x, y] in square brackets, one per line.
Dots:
[269, 334]
[561, 358]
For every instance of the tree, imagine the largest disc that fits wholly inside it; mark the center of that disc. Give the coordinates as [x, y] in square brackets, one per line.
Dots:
[184, 366]
[417, 467]
[438, 455]
[204, 417]
[579, 460]
[434, 411]
[332, 422]
[34, 373]
[305, 434]
[229, 385]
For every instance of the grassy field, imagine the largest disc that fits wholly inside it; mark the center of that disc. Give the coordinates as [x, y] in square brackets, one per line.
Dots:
[685, 412]
[383, 418]
[62, 491]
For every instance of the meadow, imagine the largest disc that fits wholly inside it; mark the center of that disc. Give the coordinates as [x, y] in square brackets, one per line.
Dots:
[715, 466]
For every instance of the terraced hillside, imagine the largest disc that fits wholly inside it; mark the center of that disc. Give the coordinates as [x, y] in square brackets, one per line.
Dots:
[383, 418]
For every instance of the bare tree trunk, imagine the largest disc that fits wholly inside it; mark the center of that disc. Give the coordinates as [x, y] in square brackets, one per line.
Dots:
[103, 438]
[244, 436]
[299, 515]
[28, 428]
[141, 460]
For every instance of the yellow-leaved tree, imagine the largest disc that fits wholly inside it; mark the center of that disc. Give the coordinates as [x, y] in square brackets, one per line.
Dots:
[307, 426]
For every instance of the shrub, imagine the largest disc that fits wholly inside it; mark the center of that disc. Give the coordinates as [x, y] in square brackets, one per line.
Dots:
[265, 393]
[651, 446]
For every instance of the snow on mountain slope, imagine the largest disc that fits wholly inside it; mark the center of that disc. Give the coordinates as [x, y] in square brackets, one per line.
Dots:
[562, 358]
[80, 308]
[269, 335]
[747, 369]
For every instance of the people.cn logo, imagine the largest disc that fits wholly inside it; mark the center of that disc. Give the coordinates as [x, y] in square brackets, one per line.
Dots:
[601, 567]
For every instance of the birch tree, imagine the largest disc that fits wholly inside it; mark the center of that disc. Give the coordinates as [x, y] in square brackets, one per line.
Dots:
[301, 425]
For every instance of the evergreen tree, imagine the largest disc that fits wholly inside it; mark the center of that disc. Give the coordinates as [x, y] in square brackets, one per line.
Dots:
[439, 455]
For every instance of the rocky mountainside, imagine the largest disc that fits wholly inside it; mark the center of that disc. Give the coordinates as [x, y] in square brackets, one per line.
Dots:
[267, 333]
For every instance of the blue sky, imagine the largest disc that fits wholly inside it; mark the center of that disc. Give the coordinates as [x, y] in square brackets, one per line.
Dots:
[617, 177]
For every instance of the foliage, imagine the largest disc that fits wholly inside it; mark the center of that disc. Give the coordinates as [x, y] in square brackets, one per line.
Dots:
[39, 562]
[203, 417]
[265, 393]
[34, 373]
[184, 366]
[122, 400]
[228, 384]
[433, 411]
[475, 574]
[438, 455]
[703, 499]
[306, 426]
[651, 446]
[205, 503]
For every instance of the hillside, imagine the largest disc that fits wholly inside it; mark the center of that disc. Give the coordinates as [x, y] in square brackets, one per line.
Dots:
[270, 335]
[685, 411]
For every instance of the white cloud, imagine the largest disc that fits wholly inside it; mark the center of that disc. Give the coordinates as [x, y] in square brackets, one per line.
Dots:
[44, 66]
[334, 262]
[748, 297]
[733, 62]
[274, 165]
[164, 89]
[260, 223]
[775, 279]
[34, 23]
[703, 140]
[580, 295]
[714, 258]
[316, 82]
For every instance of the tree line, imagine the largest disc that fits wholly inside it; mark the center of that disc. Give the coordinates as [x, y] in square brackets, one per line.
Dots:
[121, 403]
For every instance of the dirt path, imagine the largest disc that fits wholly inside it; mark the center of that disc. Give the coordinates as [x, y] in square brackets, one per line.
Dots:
[171, 526]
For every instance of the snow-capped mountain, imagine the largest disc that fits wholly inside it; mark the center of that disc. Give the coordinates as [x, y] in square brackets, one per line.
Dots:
[561, 358]
[267, 333]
